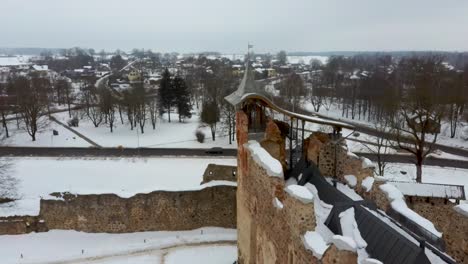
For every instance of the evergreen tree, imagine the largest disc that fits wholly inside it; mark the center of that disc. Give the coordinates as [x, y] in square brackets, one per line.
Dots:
[182, 95]
[166, 94]
[210, 116]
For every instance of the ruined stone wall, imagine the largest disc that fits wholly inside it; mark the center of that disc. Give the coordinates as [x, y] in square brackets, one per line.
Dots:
[214, 172]
[452, 224]
[21, 225]
[160, 210]
[156, 211]
[267, 234]
[321, 150]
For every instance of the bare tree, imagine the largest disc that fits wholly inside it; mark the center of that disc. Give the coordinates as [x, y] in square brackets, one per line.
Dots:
[32, 102]
[418, 122]
[228, 119]
[292, 88]
[153, 111]
[107, 105]
[381, 145]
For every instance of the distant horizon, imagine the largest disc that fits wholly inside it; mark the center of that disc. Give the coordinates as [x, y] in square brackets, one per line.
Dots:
[111, 50]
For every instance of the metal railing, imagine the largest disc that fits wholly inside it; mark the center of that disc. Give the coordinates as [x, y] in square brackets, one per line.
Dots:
[419, 230]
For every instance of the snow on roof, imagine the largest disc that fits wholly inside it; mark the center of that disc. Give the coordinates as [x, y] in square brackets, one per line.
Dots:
[462, 209]
[367, 183]
[351, 193]
[264, 159]
[371, 261]
[398, 203]
[350, 228]
[314, 242]
[300, 192]
[40, 67]
[351, 180]
[344, 243]
[430, 190]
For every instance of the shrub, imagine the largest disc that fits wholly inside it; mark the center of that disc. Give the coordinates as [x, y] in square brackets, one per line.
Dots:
[200, 136]
[74, 122]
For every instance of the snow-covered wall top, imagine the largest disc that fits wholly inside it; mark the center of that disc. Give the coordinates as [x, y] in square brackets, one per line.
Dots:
[300, 192]
[264, 159]
[398, 203]
[430, 190]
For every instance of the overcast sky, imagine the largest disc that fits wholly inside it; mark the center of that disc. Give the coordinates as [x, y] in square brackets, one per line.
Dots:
[227, 26]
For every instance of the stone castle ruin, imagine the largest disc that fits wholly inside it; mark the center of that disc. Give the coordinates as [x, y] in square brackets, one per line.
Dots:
[307, 199]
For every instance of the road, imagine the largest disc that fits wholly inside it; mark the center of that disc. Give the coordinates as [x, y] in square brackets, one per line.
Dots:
[187, 152]
[397, 158]
[109, 152]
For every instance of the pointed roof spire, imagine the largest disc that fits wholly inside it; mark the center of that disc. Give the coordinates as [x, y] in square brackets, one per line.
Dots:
[248, 84]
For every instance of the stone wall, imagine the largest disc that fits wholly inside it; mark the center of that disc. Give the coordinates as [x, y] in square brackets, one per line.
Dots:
[267, 234]
[21, 225]
[160, 210]
[452, 224]
[155, 211]
[325, 150]
[216, 172]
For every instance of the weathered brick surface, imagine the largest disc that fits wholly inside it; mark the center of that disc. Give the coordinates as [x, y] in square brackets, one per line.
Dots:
[452, 224]
[214, 172]
[21, 225]
[160, 210]
[268, 234]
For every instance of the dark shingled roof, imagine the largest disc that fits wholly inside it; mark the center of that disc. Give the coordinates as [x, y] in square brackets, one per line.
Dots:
[384, 242]
[248, 85]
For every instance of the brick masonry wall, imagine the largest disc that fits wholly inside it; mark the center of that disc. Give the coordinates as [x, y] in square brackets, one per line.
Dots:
[267, 234]
[160, 210]
[452, 224]
[216, 172]
[155, 211]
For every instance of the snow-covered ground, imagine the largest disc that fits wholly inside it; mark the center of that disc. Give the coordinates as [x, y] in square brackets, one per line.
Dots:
[166, 135]
[44, 137]
[307, 59]
[206, 255]
[122, 176]
[431, 174]
[206, 245]
[14, 60]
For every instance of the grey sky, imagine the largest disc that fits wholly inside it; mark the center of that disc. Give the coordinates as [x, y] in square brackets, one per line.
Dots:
[227, 26]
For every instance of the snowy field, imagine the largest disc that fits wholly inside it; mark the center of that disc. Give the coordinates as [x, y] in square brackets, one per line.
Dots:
[206, 245]
[306, 59]
[122, 176]
[431, 174]
[14, 61]
[44, 137]
[166, 135]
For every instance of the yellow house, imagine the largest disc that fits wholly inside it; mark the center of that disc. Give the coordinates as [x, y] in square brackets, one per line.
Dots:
[134, 76]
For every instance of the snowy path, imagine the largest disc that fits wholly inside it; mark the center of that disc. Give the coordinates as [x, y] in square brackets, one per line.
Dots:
[75, 132]
[151, 254]
[205, 245]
